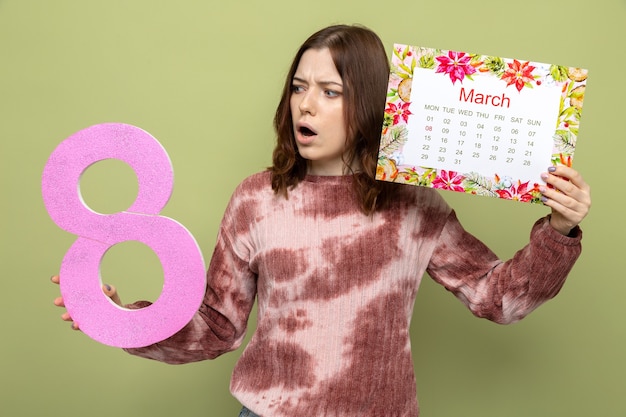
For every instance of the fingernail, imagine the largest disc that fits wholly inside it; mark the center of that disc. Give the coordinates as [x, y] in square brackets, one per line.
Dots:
[551, 169]
[107, 286]
[544, 198]
[544, 176]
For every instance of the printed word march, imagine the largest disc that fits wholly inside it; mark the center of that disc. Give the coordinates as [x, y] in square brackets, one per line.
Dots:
[488, 99]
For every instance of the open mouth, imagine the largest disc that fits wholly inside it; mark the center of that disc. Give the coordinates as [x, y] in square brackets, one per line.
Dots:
[306, 132]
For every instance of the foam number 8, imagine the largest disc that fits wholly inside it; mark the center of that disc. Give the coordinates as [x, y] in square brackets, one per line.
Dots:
[181, 259]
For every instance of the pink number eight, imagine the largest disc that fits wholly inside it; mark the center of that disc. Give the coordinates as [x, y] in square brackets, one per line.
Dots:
[181, 259]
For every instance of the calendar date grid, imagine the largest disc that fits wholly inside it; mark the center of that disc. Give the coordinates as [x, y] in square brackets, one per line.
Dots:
[472, 141]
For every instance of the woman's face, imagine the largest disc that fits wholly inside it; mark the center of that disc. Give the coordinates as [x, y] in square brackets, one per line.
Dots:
[317, 113]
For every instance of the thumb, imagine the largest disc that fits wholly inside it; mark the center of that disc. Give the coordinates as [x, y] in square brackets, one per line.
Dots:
[111, 292]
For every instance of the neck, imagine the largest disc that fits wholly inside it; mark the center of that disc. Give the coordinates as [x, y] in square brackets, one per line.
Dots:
[316, 168]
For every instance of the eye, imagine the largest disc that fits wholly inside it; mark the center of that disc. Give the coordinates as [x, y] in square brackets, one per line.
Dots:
[332, 93]
[297, 88]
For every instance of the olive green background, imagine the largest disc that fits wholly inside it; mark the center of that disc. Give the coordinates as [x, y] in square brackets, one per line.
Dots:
[204, 78]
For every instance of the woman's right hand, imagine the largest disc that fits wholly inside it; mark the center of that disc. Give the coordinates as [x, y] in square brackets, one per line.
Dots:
[108, 290]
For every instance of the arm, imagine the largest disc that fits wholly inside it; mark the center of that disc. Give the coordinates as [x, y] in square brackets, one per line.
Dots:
[503, 292]
[506, 292]
[220, 324]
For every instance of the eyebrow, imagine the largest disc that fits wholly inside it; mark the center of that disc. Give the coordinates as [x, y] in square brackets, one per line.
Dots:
[323, 83]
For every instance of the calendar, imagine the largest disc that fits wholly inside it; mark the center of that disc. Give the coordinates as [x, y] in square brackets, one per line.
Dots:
[477, 124]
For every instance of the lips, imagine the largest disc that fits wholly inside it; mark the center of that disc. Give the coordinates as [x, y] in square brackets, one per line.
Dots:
[305, 133]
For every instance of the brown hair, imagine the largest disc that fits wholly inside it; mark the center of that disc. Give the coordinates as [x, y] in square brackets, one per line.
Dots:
[361, 61]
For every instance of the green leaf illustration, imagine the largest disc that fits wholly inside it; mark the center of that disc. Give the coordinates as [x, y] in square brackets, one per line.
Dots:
[393, 140]
[427, 61]
[495, 65]
[479, 184]
[558, 72]
[565, 141]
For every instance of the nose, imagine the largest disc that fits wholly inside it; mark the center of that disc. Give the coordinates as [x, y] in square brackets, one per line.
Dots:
[307, 102]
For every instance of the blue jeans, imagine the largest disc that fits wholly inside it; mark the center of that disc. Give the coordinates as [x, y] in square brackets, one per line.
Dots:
[247, 413]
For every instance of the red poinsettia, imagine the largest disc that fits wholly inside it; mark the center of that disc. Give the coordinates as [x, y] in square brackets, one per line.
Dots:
[456, 65]
[520, 192]
[449, 180]
[518, 74]
[399, 111]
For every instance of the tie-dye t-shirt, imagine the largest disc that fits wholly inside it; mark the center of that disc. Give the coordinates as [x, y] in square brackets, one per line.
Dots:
[336, 290]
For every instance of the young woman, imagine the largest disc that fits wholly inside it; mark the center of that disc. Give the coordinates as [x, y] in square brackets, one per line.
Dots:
[335, 258]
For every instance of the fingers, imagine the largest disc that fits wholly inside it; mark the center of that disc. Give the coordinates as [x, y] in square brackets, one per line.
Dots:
[570, 190]
[566, 179]
[568, 195]
[59, 300]
[66, 317]
[111, 292]
[60, 303]
[564, 218]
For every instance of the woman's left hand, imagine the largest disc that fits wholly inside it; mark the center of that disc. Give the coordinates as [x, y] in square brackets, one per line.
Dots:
[570, 199]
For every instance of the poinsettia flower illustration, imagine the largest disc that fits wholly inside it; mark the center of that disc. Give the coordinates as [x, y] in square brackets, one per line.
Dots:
[456, 65]
[399, 111]
[518, 74]
[449, 180]
[518, 192]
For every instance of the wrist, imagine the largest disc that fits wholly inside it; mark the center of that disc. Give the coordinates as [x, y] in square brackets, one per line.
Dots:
[565, 230]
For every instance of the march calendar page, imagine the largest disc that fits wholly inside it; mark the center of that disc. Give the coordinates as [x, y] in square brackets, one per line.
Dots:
[477, 124]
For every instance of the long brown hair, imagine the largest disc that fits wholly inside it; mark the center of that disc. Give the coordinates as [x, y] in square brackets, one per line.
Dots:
[361, 61]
